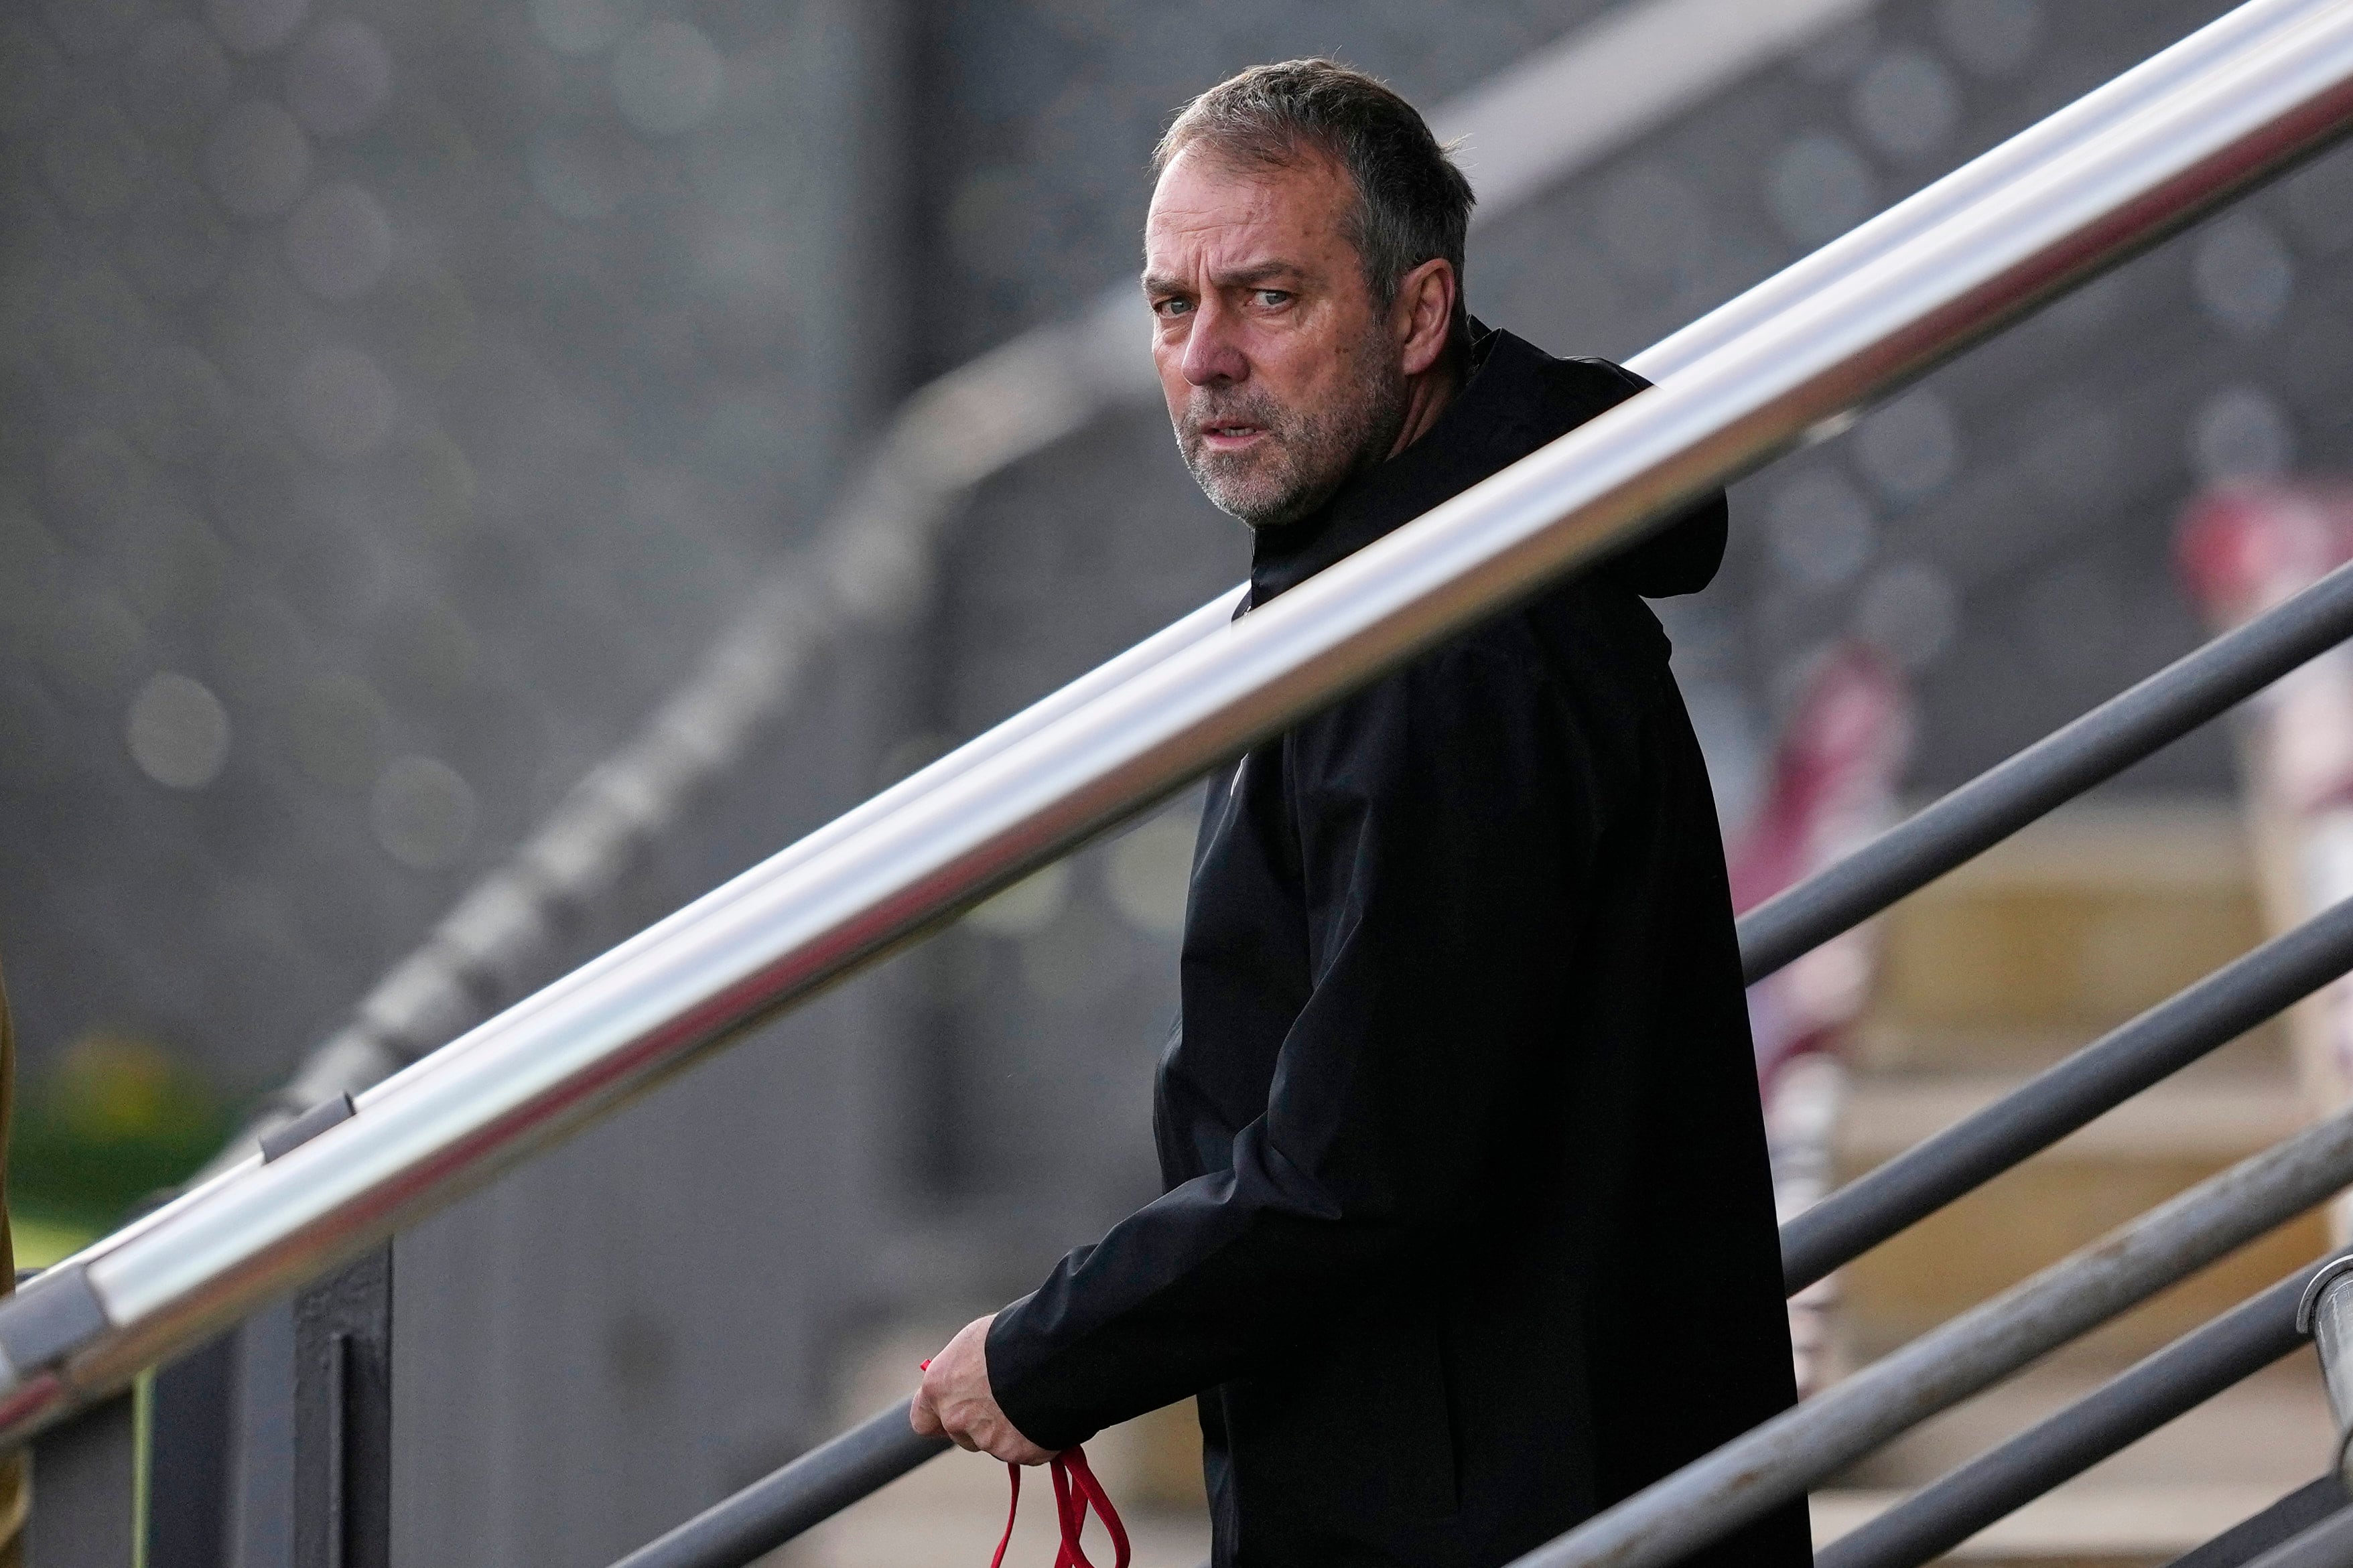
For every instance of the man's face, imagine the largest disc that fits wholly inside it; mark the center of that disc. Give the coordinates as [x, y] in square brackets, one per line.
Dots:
[1281, 380]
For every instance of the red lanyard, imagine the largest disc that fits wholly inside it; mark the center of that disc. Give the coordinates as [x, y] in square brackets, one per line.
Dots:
[1075, 1491]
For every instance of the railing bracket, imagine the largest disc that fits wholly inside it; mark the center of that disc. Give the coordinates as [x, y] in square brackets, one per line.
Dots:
[50, 1319]
[284, 1139]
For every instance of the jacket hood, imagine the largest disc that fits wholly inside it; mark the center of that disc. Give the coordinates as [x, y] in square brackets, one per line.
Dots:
[1517, 399]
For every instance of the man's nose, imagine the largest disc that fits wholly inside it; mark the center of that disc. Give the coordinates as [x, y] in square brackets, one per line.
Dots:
[1212, 357]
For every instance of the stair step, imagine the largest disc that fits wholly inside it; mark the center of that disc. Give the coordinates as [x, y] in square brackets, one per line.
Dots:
[2221, 1120]
[2273, 1430]
[2084, 919]
[2165, 1140]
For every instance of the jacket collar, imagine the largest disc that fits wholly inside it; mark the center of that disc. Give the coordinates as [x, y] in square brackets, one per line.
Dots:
[1483, 430]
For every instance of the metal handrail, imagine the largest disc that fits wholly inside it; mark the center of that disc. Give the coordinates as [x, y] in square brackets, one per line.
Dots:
[2202, 1364]
[2066, 1096]
[530, 1076]
[1784, 1457]
[747, 1525]
[807, 1491]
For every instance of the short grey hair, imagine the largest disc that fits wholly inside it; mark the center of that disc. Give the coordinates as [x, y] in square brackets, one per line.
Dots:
[1413, 203]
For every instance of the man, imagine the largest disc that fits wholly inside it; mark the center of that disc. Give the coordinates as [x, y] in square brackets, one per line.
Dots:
[1468, 1232]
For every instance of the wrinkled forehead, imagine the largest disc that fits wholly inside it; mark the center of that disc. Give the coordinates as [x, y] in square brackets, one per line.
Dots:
[1213, 210]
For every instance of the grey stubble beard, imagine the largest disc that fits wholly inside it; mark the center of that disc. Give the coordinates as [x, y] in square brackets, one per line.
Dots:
[1307, 453]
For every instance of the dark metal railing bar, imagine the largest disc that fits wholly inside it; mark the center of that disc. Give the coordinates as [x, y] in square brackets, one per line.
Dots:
[1932, 1374]
[2259, 1532]
[2184, 1374]
[2328, 1544]
[2061, 765]
[2067, 1096]
[812, 1488]
[1766, 1466]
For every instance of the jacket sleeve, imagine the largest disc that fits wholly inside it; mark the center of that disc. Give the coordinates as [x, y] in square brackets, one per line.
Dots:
[1439, 823]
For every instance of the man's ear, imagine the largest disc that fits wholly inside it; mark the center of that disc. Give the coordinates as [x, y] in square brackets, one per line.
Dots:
[1424, 312]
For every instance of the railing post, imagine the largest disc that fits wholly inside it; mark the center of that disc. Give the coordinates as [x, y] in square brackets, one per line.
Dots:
[190, 1437]
[84, 1491]
[2326, 1312]
[343, 1418]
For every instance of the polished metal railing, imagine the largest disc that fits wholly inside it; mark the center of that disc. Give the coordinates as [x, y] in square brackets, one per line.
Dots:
[2275, 84]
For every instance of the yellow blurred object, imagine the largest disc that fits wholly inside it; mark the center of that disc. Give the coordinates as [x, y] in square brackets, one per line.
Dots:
[111, 1089]
[40, 1243]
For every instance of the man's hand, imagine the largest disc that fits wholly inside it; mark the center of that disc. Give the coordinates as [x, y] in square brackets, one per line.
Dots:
[955, 1402]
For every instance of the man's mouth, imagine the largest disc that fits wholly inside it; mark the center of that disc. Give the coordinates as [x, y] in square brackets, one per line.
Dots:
[1226, 435]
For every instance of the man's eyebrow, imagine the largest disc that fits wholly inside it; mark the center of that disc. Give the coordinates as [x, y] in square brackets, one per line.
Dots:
[1240, 277]
[1264, 273]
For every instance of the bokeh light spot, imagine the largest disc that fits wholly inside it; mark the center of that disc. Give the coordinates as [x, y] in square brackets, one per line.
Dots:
[2239, 433]
[339, 77]
[1911, 449]
[2243, 274]
[178, 732]
[422, 811]
[257, 159]
[1907, 104]
[1818, 187]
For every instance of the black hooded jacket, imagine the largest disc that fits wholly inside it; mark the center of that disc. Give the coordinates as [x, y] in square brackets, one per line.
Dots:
[1468, 1231]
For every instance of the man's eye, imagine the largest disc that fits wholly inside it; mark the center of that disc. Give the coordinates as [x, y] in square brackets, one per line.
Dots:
[1166, 308]
[1270, 298]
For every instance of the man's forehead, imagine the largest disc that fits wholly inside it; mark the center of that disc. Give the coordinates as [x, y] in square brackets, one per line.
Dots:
[1203, 200]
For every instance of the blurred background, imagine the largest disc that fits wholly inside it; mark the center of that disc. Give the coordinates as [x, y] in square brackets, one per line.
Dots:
[399, 402]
